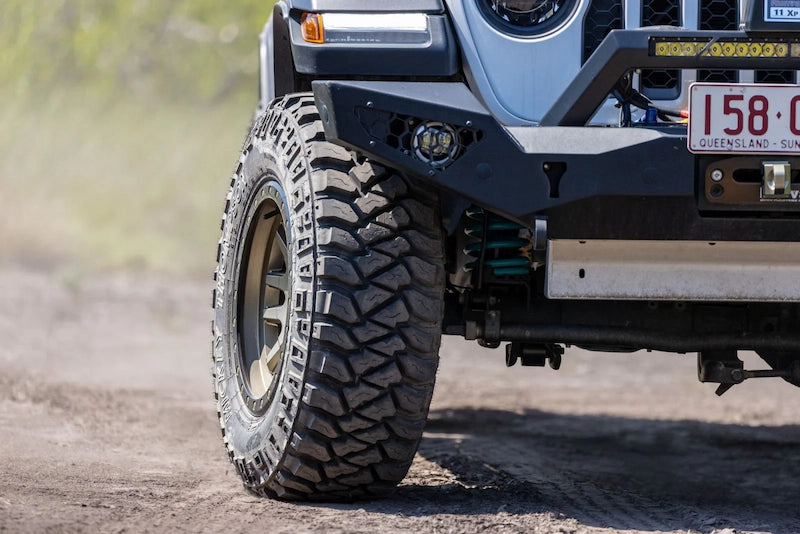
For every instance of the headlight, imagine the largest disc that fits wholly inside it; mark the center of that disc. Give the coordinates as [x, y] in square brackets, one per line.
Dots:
[365, 28]
[530, 15]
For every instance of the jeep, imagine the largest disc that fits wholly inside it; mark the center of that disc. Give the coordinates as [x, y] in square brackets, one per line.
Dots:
[539, 174]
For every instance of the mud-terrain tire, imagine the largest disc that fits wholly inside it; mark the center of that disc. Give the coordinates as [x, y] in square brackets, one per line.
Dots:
[349, 288]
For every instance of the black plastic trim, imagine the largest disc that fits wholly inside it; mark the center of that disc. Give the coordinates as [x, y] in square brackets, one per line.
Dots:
[285, 77]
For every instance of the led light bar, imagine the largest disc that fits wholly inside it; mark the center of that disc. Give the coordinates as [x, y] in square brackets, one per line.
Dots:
[365, 28]
[723, 48]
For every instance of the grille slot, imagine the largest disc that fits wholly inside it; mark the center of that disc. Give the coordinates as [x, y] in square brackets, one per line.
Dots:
[717, 76]
[718, 15]
[661, 13]
[661, 84]
[601, 17]
[774, 76]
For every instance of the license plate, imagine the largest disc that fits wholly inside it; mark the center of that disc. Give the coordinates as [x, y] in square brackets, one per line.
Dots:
[781, 11]
[744, 119]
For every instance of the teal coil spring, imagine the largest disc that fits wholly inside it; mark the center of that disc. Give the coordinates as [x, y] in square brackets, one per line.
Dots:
[502, 249]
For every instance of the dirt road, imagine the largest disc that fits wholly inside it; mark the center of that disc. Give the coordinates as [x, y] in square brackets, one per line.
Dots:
[107, 425]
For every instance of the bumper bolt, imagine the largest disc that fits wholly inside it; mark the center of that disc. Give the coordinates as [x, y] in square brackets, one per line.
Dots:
[716, 175]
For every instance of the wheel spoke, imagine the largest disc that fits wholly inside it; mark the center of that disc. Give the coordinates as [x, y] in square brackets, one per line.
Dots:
[279, 281]
[275, 315]
[264, 298]
[271, 356]
[257, 379]
[280, 242]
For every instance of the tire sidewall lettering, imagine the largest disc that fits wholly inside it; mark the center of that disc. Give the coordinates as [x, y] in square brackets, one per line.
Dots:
[248, 434]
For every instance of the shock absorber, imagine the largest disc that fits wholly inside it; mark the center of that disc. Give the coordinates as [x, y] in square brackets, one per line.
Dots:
[498, 244]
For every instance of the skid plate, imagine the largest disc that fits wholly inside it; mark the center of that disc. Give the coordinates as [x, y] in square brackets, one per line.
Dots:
[730, 271]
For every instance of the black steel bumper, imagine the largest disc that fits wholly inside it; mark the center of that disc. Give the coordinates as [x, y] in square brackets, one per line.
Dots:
[642, 179]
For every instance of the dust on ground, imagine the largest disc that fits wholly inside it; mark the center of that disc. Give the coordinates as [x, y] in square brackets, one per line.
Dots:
[108, 424]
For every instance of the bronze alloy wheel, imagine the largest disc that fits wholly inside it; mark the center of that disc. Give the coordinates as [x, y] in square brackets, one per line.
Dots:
[262, 300]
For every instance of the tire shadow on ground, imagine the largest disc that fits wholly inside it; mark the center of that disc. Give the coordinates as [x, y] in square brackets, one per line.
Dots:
[612, 472]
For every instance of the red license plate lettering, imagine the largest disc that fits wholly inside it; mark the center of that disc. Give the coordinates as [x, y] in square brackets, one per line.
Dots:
[744, 118]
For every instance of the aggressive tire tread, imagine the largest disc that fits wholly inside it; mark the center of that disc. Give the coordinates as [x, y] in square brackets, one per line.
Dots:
[376, 259]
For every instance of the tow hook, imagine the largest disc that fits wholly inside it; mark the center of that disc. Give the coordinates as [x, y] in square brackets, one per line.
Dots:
[777, 180]
[534, 355]
[724, 367]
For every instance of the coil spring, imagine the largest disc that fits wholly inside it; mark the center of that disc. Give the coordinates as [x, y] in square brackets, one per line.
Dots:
[502, 249]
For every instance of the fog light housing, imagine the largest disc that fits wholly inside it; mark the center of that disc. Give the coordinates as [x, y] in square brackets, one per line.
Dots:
[435, 143]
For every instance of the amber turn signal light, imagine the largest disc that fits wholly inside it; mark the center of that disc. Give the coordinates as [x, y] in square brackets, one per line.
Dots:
[313, 32]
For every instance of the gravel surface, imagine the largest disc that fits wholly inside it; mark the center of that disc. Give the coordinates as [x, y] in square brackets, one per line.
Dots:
[108, 425]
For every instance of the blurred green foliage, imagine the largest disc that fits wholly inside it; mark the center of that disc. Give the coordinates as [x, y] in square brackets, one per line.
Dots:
[195, 50]
[120, 127]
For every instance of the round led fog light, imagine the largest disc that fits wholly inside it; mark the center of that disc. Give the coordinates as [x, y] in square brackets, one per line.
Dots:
[435, 143]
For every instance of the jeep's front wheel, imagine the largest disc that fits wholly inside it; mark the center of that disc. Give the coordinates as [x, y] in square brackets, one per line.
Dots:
[328, 307]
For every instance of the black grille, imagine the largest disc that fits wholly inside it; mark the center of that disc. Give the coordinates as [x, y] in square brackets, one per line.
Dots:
[661, 84]
[774, 76]
[718, 15]
[717, 76]
[660, 79]
[661, 13]
[601, 17]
